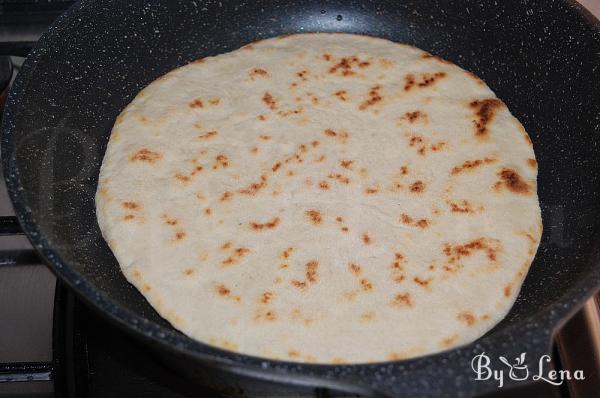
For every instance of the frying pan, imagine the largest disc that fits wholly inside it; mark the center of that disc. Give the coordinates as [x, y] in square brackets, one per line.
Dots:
[541, 57]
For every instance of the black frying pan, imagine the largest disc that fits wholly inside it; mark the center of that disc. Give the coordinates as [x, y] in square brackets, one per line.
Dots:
[541, 57]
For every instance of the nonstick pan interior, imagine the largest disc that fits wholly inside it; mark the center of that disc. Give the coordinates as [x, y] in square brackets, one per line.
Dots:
[540, 57]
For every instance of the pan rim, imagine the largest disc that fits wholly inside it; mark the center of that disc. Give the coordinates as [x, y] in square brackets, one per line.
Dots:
[542, 322]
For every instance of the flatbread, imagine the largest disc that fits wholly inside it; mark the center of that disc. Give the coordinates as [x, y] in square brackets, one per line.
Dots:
[328, 198]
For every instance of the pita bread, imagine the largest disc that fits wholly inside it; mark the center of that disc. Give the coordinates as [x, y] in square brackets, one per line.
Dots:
[328, 198]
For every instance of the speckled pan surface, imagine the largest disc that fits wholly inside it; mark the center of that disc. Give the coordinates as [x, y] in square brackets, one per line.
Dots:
[541, 57]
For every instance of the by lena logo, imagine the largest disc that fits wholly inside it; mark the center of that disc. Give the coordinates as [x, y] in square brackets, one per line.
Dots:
[519, 371]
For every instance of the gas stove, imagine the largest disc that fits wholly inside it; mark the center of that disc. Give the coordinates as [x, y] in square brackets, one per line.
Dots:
[53, 345]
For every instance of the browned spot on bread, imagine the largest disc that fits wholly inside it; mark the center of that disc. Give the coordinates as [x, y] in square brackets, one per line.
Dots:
[180, 235]
[449, 341]
[264, 137]
[415, 140]
[404, 170]
[511, 180]
[182, 177]
[422, 223]
[396, 187]
[302, 74]
[131, 205]
[339, 177]
[346, 66]
[367, 316]
[402, 300]
[323, 185]
[417, 186]
[532, 163]
[214, 101]
[265, 315]
[290, 112]
[226, 196]
[366, 284]
[344, 229]
[208, 135]
[128, 217]
[415, 116]
[269, 101]
[341, 136]
[146, 287]
[408, 220]
[267, 225]
[463, 206]
[189, 271]
[225, 292]
[347, 164]
[254, 188]
[425, 80]
[266, 297]
[293, 354]
[197, 103]
[256, 72]
[397, 264]
[299, 284]
[326, 57]
[226, 245]
[171, 221]
[276, 167]
[367, 240]
[338, 360]
[485, 110]
[339, 219]
[438, 146]
[371, 190]
[145, 155]
[221, 161]
[208, 211]
[531, 238]
[262, 118]
[241, 251]
[311, 270]
[468, 165]
[374, 96]
[342, 95]
[456, 252]
[355, 268]
[314, 216]
[286, 253]
[435, 57]
[507, 290]
[397, 356]
[467, 318]
[196, 170]
[421, 282]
